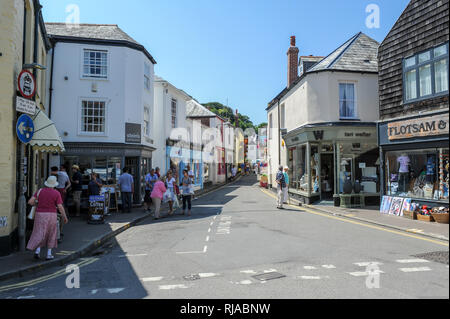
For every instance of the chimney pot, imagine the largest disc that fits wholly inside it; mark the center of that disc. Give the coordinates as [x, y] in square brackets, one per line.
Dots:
[293, 41]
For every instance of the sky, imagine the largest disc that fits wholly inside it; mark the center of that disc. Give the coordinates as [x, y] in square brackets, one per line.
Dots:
[232, 51]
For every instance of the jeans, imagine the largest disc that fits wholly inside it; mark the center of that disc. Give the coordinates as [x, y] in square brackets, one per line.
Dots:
[77, 200]
[187, 198]
[126, 201]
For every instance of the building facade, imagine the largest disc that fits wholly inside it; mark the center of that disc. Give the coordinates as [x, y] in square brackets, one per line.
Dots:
[414, 105]
[103, 102]
[323, 125]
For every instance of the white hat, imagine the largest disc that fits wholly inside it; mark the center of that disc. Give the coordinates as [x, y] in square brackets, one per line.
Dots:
[286, 167]
[51, 182]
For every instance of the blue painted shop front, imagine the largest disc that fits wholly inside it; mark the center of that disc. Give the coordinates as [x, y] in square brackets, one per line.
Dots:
[181, 157]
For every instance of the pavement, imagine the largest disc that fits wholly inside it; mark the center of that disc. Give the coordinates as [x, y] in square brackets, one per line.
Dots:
[238, 245]
[373, 216]
[80, 239]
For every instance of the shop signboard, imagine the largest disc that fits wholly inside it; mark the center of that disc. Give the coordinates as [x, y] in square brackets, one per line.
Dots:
[96, 209]
[133, 133]
[419, 127]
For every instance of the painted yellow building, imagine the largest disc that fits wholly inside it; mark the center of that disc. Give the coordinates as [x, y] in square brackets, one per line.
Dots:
[21, 23]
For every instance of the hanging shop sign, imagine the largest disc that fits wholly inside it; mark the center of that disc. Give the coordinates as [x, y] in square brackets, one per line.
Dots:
[25, 106]
[132, 133]
[27, 84]
[25, 128]
[425, 126]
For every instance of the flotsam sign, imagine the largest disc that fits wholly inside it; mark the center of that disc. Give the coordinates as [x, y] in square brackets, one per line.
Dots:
[425, 126]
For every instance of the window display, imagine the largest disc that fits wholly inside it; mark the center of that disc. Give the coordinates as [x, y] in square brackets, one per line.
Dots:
[299, 178]
[414, 174]
[315, 169]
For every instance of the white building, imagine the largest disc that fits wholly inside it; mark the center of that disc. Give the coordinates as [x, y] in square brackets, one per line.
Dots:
[102, 101]
[323, 124]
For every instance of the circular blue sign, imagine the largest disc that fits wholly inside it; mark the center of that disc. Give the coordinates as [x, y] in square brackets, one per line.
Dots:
[25, 128]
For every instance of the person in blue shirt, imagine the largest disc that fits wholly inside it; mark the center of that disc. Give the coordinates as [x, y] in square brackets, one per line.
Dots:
[126, 184]
[286, 189]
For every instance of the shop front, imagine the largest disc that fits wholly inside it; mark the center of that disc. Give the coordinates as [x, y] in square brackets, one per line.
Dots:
[108, 161]
[322, 159]
[179, 158]
[415, 159]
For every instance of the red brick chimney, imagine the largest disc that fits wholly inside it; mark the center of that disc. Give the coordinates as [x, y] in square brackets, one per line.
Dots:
[292, 62]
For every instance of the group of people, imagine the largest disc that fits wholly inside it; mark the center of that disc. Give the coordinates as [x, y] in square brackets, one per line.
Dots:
[282, 180]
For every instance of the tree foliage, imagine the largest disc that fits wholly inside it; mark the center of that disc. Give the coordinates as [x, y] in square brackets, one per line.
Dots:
[227, 113]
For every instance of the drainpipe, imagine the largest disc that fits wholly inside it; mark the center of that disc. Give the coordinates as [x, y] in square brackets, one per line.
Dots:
[279, 134]
[50, 97]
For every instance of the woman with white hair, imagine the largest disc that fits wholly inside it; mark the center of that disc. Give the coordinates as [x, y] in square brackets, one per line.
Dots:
[45, 228]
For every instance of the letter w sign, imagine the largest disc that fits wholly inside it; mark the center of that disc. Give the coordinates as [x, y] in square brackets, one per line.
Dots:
[318, 135]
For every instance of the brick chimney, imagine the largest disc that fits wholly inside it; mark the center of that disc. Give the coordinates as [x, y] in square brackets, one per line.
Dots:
[292, 63]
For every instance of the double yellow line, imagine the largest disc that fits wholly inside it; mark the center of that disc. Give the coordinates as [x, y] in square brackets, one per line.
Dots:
[310, 211]
[84, 262]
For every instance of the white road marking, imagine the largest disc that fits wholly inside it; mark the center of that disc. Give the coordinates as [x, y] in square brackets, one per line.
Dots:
[309, 267]
[152, 279]
[367, 263]
[312, 277]
[208, 275]
[209, 230]
[248, 272]
[245, 282]
[115, 290]
[207, 238]
[170, 287]
[406, 261]
[414, 230]
[365, 273]
[215, 217]
[189, 252]
[205, 249]
[26, 297]
[415, 269]
[269, 270]
[328, 266]
[131, 255]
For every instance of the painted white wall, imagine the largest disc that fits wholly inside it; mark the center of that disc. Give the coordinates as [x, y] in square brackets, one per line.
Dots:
[124, 92]
[315, 99]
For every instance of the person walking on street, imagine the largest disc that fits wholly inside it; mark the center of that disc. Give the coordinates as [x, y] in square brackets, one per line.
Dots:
[47, 200]
[286, 189]
[150, 180]
[186, 190]
[95, 185]
[77, 188]
[158, 172]
[63, 187]
[170, 182]
[126, 184]
[157, 196]
[281, 184]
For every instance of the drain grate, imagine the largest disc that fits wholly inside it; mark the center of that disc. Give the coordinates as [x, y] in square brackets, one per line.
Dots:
[436, 256]
[192, 277]
[269, 276]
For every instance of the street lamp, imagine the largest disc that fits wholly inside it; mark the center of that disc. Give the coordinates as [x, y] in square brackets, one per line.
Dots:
[36, 66]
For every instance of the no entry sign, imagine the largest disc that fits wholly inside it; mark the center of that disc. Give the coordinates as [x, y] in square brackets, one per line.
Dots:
[27, 84]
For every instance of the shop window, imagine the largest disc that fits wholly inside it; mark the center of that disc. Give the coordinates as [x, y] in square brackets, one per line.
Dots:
[300, 177]
[426, 74]
[417, 174]
[315, 169]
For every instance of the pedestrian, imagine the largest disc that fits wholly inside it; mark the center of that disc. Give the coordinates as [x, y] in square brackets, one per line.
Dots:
[95, 185]
[158, 172]
[150, 180]
[157, 196]
[281, 184]
[126, 184]
[170, 192]
[286, 189]
[63, 187]
[77, 188]
[186, 190]
[47, 200]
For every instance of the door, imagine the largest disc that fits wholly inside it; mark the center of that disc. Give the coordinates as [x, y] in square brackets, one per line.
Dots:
[133, 164]
[326, 176]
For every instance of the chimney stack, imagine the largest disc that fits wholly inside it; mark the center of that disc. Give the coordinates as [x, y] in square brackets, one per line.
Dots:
[292, 63]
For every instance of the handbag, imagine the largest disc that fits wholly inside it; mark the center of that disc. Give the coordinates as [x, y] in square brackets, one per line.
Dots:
[33, 209]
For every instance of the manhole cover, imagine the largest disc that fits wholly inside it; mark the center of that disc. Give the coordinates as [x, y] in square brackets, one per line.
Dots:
[192, 277]
[269, 276]
[436, 256]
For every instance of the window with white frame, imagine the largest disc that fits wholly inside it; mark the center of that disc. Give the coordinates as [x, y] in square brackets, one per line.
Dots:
[147, 76]
[93, 116]
[95, 64]
[146, 121]
[347, 103]
[174, 113]
[426, 74]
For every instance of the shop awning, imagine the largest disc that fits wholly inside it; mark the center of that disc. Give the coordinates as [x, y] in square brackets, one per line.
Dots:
[46, 137]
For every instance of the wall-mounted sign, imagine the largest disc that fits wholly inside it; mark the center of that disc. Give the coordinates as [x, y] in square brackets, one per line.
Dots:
[3, 221]
[25, 128]
[25, 106]
[133, 133]
[27, 84]
[425, 126]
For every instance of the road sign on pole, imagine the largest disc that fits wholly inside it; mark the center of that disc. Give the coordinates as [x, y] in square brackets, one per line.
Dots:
[27, 84]
[25, 128]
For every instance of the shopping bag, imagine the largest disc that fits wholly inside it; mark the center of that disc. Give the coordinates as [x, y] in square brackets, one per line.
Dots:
[33, 209]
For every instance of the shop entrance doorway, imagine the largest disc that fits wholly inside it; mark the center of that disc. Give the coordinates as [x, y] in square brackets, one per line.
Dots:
[327, 176]
[132, 163]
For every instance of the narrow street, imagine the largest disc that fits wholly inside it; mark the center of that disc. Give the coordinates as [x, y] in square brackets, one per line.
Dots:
[236, 233]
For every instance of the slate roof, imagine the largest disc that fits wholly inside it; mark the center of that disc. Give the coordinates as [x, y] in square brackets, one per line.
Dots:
[93, 32]
[195, 109]
[359, 53]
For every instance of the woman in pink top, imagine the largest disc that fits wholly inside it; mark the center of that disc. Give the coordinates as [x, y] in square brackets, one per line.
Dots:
[157, 195]
[45, 219]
